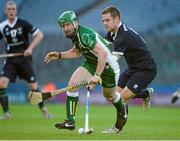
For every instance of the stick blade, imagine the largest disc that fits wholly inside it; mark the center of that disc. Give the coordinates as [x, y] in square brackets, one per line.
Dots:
[35, 97]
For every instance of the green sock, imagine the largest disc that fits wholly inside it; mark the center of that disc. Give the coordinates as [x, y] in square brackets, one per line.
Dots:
[118, 103]
[71, 104]
[3, 92]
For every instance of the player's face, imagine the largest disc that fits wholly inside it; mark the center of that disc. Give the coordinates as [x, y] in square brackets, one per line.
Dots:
[69, 30]
[109, 22]
[11, 11]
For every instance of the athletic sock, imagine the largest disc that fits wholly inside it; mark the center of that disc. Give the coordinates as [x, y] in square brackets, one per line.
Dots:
[122, 111]
[120, 106]
[118, 102]
[4, 100]
[41, 105]
[71, 104]
[143, 94]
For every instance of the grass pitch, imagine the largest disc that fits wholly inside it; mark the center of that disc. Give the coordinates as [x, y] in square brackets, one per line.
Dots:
[159, 123]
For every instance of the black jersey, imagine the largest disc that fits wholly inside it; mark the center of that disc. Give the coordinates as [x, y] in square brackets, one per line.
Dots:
[129, 44]
[16, 35]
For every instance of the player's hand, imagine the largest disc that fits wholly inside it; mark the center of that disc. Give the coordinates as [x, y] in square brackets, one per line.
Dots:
[93, 81]
[28, 52]
[51, 56]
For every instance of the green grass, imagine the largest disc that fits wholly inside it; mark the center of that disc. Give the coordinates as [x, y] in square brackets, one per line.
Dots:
[159, 123]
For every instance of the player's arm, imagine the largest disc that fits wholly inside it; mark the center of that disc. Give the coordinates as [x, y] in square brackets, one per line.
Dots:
[101, 62]
[70, 54]
[36, 40]
[102, 55]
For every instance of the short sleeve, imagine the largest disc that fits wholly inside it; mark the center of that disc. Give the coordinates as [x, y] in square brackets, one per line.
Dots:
[1, 36]
[30, 28]
[89, 40]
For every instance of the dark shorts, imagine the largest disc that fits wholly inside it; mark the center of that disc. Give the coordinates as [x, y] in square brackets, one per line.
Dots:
[21, 67]
[136, 81]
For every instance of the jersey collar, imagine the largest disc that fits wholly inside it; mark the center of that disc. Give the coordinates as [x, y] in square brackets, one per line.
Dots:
[12, 24]
[120, 23]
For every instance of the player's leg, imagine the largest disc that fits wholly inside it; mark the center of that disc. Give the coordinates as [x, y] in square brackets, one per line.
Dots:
[109, 83]
[4, 98]
[146, 96]
[124, 78]
[137, 85]
[80, 75]
[34, 87]
[26, 71]
[8, 74]
[121, 110]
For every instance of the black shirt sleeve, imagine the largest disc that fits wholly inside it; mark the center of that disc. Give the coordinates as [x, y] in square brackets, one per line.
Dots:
[120, 46]
[29, 28]
[1, 36]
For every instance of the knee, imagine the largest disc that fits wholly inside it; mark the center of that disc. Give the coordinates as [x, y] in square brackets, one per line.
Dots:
[125, 98]
[109, 98]
[72, 83]
[72, 91]
[3, 83]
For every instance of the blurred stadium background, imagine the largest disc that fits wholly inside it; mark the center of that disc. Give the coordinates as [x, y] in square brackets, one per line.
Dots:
[158, 21]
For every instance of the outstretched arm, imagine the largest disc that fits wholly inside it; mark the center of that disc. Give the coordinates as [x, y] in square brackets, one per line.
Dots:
[72, 53]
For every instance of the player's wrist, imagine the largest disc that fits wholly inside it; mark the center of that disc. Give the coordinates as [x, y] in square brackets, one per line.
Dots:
[59, 53]
[97, 74]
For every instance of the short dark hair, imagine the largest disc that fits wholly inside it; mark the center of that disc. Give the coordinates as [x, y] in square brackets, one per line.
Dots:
[113, 10]
[10, 2]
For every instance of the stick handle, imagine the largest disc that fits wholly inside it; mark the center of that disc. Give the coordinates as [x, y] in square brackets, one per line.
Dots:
[10, 55]
[56, 92]
[87, 112]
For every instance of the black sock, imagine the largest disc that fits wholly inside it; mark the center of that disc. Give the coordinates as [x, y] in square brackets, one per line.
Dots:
[41, 105]
[4, 100]
[143, 94]
[4, 103]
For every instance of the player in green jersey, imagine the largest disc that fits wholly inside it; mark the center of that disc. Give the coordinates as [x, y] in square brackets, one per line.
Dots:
[98, 66]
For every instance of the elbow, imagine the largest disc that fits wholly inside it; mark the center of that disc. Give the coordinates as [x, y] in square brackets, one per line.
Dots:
[40, 35]
[104, 54]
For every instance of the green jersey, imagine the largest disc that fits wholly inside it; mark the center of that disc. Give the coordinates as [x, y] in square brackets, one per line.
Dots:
[85, 41]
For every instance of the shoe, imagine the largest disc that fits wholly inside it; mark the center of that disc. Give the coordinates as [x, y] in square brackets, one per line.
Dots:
[112, 130]
[147, 101]
[46, 113]
[67, 124]
[6, 116]
[175, 96]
